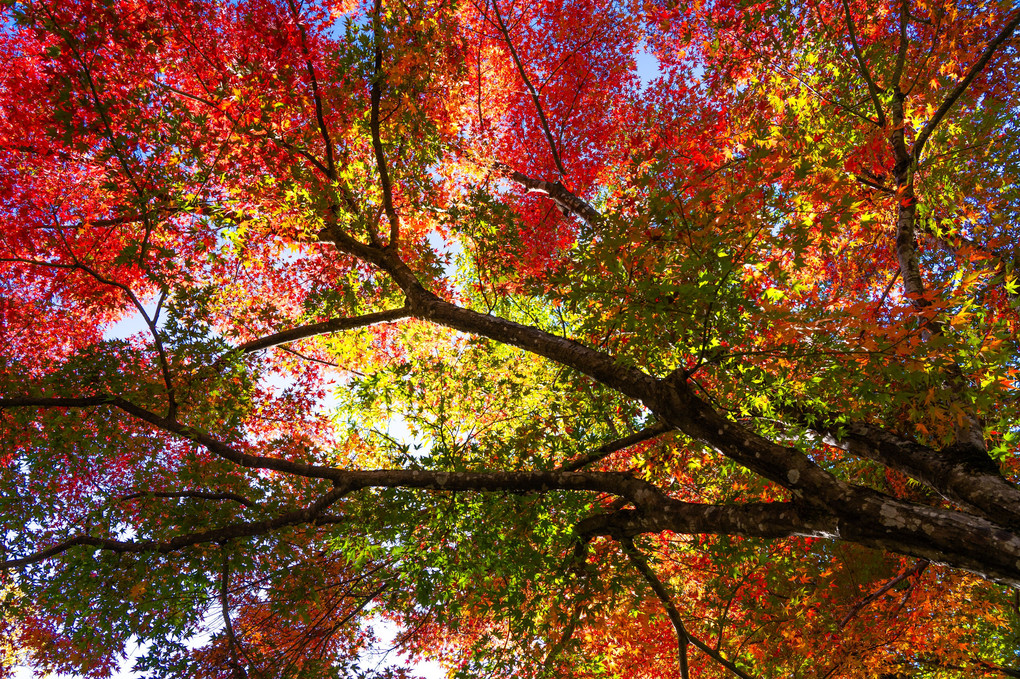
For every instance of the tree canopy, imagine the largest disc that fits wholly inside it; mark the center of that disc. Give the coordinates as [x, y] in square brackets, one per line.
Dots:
[448, 318]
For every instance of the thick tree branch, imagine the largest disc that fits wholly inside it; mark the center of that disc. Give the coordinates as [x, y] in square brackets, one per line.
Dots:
[871, 519]
[568, 202]
[641, 493]
[900, 526]
[832, 509]
[672, 401]
[771, 520]
[972, 481]
[970, 433]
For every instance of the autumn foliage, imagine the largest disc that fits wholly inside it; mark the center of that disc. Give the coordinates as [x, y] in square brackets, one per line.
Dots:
[315, 315]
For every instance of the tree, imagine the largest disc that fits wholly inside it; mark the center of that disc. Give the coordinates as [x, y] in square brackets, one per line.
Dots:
[448, 319]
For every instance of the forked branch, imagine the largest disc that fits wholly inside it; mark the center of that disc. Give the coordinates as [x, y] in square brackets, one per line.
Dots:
[961, 539]
[684, 638]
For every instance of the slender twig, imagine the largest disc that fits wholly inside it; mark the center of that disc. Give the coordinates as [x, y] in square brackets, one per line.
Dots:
[818, 94]
[609, 448]
[901, 51]
[565, 637]
[104, 116]
[227, 626]
[316, 96]
[916, 570]
[872, 87]
[235, 530]
[888, 289]
[975, 70]
[683, 638]
[150, 322]
[873, 184]
[377, 147]
[501, 25]
[313, 359]
[198, 494]
[263, 135]
[322, 328]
